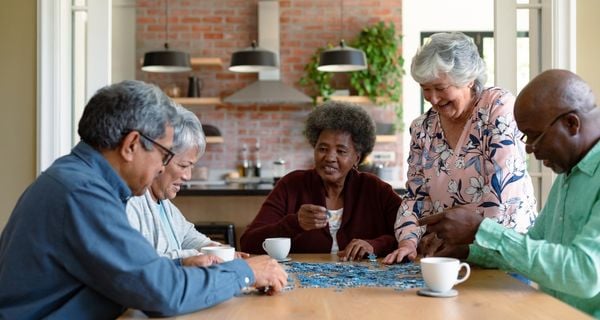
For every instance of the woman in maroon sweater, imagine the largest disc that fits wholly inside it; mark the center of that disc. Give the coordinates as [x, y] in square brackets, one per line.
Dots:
[333, 207]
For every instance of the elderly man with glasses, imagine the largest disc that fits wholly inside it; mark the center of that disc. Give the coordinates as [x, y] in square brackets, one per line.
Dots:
[68, 251]
[558, 114]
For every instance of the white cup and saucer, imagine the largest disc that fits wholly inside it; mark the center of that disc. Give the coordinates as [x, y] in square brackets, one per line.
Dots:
[226, 253]
[278, 248]
[440, 275]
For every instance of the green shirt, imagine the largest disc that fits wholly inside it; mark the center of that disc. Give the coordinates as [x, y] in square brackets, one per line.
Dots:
[561, 252]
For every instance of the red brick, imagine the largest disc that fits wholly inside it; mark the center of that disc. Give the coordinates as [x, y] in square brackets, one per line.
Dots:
[305, 26]
[212, 19]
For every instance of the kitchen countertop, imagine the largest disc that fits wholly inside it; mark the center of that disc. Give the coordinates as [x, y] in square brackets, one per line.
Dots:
[229, 189]
[220, 188]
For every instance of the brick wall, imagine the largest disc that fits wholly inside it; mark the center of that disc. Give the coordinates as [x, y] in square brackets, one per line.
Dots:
[216, 28]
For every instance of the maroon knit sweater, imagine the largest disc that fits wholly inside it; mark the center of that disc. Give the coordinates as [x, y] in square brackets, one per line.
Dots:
[370, 207]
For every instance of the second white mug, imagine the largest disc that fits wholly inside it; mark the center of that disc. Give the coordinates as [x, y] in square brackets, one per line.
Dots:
[277, 248]
[441, 274]
[226, 253]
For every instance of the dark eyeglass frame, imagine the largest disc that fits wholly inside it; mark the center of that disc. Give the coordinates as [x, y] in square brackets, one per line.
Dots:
[537, 140]
[167, 155]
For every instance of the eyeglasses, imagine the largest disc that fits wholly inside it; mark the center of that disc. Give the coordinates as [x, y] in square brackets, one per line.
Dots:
[533, 143]
[167, 154]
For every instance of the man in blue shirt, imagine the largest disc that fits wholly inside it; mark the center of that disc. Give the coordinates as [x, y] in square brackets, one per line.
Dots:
[557, 112]
[68, 251]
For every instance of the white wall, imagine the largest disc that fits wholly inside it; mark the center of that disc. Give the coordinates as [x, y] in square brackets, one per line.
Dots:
[435, 15]
[123, 40]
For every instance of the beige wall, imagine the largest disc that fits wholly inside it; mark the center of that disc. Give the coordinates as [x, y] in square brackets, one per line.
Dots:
[588, 46]
[18, 92]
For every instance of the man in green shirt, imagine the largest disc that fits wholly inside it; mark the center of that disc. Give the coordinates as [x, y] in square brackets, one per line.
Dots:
[558, 115]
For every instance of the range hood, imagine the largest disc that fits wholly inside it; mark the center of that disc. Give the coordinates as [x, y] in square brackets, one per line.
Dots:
[269, 89]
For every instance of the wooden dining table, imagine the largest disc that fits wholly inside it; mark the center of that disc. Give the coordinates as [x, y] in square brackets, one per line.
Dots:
[487, 294]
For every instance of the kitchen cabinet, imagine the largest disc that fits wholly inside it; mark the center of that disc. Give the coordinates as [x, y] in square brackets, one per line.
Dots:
[240, 209]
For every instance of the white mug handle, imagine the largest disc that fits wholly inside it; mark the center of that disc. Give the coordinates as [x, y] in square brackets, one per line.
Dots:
[468, 268]
[263, 245]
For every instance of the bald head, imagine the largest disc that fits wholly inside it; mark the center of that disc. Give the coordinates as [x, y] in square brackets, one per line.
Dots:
[553, 92]
[557, 111]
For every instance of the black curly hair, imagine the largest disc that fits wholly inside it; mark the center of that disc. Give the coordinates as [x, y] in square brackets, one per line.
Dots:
[345, 117]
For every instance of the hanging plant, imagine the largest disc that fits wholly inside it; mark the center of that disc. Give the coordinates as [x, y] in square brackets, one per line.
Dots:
[382, 81]
[320, 81]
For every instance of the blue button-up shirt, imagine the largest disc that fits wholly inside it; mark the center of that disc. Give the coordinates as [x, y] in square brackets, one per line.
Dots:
[69, 252]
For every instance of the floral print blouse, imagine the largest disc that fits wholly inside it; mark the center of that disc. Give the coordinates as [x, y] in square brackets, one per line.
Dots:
[486, 171]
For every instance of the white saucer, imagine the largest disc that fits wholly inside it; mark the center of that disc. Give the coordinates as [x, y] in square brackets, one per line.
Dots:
[285, 259]
[429, 293]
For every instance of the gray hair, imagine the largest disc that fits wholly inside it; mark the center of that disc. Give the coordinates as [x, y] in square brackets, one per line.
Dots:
[577, 94]
[454, 54]
[346, 117]
[118, 109]
[187, 132]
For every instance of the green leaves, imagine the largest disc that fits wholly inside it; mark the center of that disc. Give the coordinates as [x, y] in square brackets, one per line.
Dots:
[320, 80]
[383, 78]
[381, 82]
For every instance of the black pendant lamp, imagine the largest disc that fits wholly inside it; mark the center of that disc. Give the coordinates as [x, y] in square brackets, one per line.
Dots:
[166, 60]
[342, 58]
[253, 59]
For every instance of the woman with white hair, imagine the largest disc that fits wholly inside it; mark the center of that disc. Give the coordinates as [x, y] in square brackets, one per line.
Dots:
[156, 217]
[464, 151]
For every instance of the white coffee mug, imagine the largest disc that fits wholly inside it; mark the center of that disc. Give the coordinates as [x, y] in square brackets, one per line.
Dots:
[277, 248]
[441, 274]
[226, 253]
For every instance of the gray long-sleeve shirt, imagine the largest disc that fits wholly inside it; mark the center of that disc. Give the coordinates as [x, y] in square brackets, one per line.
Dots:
[143, 214]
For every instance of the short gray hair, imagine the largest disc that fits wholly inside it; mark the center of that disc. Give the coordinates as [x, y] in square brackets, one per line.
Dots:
[345, 117]
[454, 54]
[187, 132]
[127, 106]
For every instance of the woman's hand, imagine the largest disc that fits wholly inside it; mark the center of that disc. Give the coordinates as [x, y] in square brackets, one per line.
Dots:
[355, 250]
[201, 260]
[311, 217]
[406, 248]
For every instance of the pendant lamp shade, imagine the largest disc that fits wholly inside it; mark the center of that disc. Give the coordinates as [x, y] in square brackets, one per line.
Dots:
[342, 59]
[166, 60]
[253, 59]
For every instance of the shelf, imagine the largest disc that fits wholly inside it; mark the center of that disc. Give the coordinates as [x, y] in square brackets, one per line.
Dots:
[386, 138]
[200, 62]
[200, 101]
[206, 62]
[214, 139]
